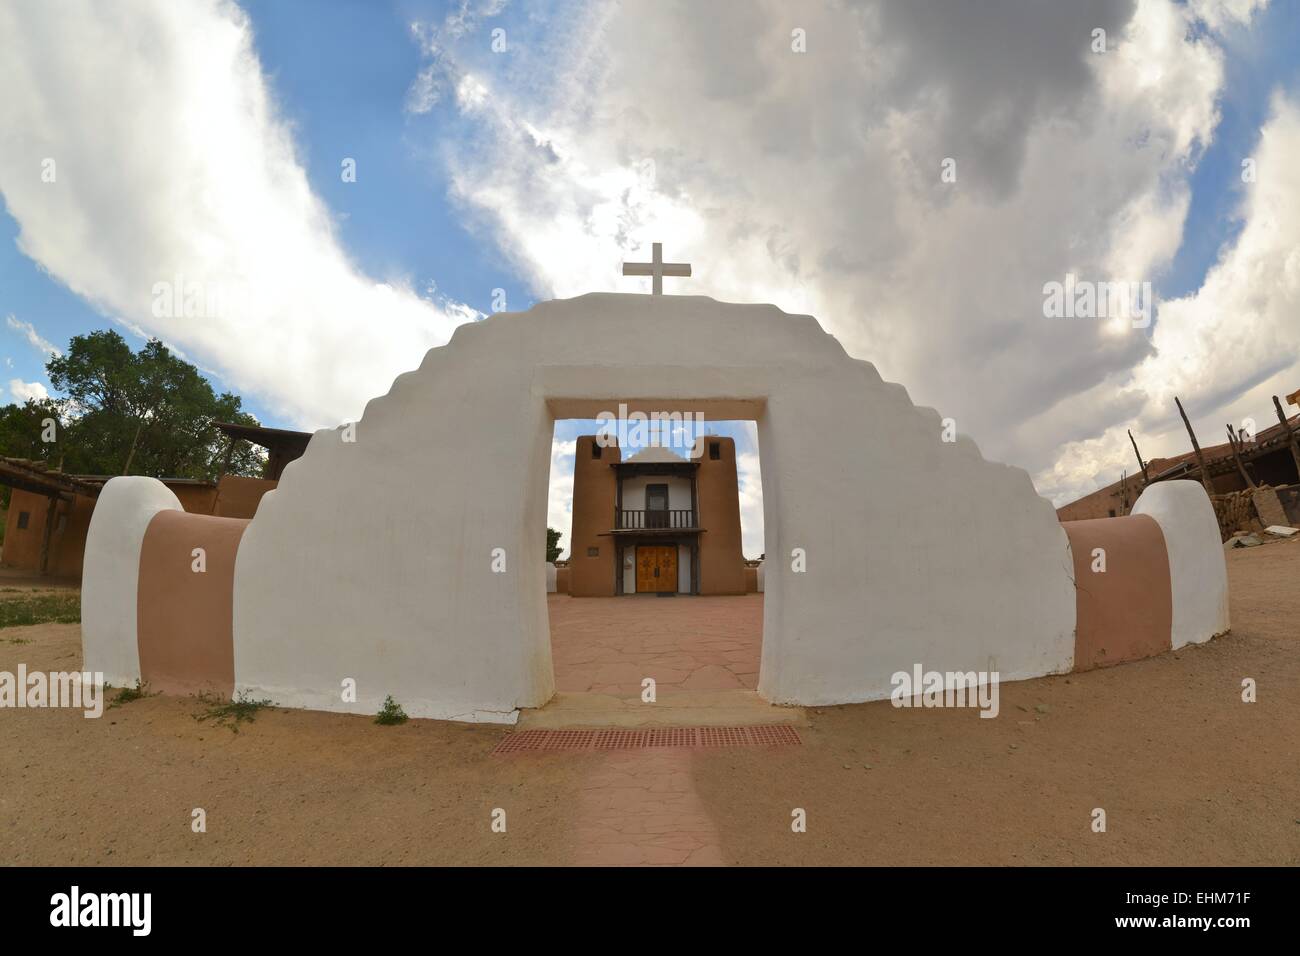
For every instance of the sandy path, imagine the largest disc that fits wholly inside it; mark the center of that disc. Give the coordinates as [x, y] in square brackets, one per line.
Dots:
[642, 809]
[1186, 772]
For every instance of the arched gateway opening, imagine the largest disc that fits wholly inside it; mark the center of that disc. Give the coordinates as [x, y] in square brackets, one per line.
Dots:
[403, 553]
[652, 507]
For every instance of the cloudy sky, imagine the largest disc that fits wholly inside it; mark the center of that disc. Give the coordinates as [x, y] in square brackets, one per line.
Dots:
[346, 182]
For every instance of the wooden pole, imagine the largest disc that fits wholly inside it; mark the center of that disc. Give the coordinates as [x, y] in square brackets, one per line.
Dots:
[52, 504]
[230, 454]
[1200, 459]
[1146, 477]
[1290, 434]
[1236, 456]
[130, 456]
[1123, 493]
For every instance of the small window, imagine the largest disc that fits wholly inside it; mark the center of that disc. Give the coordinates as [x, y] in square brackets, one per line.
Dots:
[593, 552]
[23, 517]
[715, 450]
[595, 449]
[1112, 512]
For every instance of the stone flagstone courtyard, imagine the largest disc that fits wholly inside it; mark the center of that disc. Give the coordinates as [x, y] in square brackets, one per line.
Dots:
[608, 645]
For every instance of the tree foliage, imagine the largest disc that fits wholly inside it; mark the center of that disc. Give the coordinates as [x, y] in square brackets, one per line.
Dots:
[552, 544]
[129, 413]
[23, 429]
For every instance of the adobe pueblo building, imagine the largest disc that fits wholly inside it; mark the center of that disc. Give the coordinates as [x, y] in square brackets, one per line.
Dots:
[50, 511]
[887, 545]
[655, 523]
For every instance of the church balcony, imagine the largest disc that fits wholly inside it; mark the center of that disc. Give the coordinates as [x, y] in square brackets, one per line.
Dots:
[655, 520]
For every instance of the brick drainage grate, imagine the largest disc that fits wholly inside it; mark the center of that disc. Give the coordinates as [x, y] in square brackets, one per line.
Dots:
[650, 738]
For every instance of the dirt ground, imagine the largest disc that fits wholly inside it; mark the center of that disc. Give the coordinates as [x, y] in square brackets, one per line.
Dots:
[1186, 772]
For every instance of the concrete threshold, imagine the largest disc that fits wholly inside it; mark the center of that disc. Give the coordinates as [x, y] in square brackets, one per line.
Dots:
[718, 708]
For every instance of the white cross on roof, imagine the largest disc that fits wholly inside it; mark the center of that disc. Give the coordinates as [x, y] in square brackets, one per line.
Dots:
[657, 268]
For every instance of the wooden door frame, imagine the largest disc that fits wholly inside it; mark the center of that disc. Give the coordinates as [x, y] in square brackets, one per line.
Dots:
[667, 508]
[671, 547]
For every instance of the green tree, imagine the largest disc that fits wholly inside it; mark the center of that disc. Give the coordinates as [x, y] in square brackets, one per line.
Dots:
[33, 430]
[552, 544]
[142, 413]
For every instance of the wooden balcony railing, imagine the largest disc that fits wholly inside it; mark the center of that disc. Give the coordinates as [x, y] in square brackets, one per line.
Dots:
[653, 520]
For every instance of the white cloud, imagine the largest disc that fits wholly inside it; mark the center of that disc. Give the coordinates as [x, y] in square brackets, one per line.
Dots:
[750, 480]
[1220, 14]
[559, 498]
[22, 391]
[173, 165]
[1227, 348]
[440, 70]
[812, 181]
[34, 338]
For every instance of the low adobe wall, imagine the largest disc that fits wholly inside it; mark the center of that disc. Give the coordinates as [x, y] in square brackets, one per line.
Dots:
[1149, 582]
[184, 608]
[111, 576]
[238, 497]
[198, 497]
[1123, 601]
[1198, 572]
[1143, 584]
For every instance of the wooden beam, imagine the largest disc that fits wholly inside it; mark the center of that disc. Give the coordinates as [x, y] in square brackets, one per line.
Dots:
[1236, 456]
[30, 476]
[1146, 476]
[51, 506]
[23, 484]
[1200, 459]
[1290, 434]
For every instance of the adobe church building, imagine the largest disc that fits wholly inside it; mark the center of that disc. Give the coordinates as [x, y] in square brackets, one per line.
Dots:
[655, 522]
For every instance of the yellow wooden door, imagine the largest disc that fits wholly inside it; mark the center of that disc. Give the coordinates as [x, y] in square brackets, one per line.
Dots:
[656, 569]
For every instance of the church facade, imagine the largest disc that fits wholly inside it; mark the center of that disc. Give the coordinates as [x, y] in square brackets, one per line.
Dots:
[655, 522]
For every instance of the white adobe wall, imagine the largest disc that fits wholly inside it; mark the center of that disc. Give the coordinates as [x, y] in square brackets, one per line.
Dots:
[551, 575]
[1198, 572]
[949, 560]
[111, 574]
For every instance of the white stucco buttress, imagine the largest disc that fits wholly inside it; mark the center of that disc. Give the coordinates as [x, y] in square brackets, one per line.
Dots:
[374, 559]
[111, 574]
[1198, 572]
